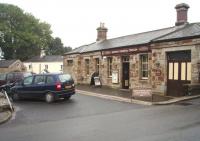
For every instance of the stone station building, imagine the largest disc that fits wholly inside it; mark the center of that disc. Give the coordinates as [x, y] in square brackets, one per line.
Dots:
[160, 61]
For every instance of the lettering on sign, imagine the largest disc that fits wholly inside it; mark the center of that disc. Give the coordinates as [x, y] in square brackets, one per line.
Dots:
[123, 51]
[143, 48]
[115, 51]
[133, 49]
[107, 52]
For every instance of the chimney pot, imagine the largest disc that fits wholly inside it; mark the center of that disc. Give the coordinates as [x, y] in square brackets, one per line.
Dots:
[182, 10]
[101, 32]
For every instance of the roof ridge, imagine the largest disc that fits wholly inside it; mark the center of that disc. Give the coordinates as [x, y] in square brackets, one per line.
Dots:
[143, 32]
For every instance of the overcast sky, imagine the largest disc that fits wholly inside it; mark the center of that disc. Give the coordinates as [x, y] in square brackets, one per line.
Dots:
[75, 21]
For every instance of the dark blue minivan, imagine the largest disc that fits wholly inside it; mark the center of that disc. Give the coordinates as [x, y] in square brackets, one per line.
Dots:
[49, 87]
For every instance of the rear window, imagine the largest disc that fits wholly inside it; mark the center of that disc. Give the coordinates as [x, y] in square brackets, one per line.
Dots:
[3, 76]
[27, 74]
[65, 77]
[19, 76]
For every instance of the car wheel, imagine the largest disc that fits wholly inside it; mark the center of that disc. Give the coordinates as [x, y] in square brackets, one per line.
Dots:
[67, 98]
[15, 97]
[49, 97]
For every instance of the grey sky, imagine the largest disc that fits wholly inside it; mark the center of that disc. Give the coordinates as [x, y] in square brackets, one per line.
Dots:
[75, 21]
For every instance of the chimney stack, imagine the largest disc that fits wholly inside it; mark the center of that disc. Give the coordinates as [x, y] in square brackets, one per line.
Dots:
[181, 10]
[101, 32]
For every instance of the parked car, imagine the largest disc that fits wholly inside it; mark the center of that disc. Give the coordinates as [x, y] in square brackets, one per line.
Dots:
[49, 87]
[8, 80]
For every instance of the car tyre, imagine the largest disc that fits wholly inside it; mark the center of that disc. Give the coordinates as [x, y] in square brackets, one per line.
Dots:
[15, 97]
[49, 97]
[67, 98]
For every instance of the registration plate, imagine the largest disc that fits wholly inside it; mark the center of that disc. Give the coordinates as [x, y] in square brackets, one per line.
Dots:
[67, 87]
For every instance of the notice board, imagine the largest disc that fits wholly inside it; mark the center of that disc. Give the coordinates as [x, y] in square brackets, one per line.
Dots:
[115, 77]
[97, 81]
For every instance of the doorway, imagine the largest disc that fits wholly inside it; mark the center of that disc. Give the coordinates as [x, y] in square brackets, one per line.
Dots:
[178, 72]
[125, 72]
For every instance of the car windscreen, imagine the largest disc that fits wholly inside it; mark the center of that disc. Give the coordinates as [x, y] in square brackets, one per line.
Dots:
[2, 76]
[65, 77]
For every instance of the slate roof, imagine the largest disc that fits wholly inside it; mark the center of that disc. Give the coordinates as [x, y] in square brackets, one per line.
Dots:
[190, 30]
[6, 63]
[48, 58]
[183, 31]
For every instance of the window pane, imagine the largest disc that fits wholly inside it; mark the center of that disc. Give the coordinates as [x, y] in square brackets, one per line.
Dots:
[39, 80]
[28, 80]
[188, 71]
[144, 66]
[109, 66]
[97, 65]
[170, 71]
[70, 62]
[65, 77]
[50, 79]
[2, 76]
[183, 71]
[87, 66]
[175, 71]
[145, 73]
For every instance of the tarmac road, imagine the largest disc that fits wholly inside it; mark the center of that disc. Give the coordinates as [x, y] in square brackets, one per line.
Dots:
[85, 118]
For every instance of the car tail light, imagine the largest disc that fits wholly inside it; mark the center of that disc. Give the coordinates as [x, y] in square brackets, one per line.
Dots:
[58, 86]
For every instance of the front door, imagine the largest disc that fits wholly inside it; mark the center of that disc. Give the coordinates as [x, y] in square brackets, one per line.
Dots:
[179, 72]
[125, 72]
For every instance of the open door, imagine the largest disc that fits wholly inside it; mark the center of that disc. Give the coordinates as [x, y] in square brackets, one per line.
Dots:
[125, 72]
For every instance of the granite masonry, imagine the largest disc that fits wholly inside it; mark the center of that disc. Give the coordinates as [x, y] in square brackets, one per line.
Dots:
[160, 62]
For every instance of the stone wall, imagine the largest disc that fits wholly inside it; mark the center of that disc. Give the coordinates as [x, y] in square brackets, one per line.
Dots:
[159, 58]
[79, 73]
[157, 65]
[135, 76]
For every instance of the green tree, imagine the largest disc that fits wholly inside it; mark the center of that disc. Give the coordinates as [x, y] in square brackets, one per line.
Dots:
[22, 35]
[67, 49]
[56, 47]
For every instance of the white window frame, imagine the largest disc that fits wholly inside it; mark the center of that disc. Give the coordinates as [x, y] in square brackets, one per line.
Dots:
[142, 68]
[97, 64]
[109, 61]
[87, 66]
